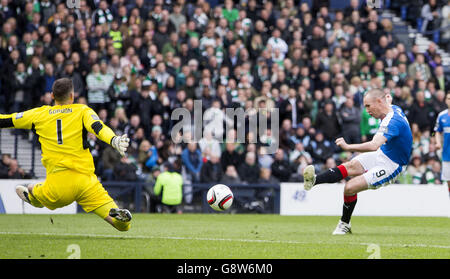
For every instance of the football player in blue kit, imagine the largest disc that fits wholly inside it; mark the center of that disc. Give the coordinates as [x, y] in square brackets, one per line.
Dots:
[380, 161]
[442, 128]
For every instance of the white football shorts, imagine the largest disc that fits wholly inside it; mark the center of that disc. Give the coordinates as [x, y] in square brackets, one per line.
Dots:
[380, 170]
[445, 171]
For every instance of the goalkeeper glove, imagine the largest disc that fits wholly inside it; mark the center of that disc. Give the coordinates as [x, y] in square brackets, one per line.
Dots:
[120, 143]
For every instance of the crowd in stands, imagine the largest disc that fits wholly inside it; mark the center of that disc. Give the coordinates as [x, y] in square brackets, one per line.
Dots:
[10, 169]
[135, 62]
[429, 17]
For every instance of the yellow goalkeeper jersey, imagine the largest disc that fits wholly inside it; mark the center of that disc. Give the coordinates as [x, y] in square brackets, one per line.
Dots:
[62, 131]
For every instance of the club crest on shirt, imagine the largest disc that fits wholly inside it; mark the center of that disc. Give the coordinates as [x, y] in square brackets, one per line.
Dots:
[383, 129]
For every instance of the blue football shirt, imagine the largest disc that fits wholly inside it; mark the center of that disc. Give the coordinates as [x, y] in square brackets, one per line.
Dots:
[443, 127]
[396, 130]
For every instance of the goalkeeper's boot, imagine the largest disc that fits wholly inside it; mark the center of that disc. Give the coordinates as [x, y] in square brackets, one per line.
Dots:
[122, 215]
[343, 228]
[22, 192]
[309, 177]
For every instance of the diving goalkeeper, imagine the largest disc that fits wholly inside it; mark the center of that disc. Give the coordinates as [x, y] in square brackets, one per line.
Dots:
[62, 131]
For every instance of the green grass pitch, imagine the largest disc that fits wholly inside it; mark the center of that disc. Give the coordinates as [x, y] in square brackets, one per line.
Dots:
[222, 236]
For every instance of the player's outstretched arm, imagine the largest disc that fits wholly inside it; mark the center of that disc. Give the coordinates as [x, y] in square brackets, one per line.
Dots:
[94, 125]
[377, 141]
[6, 121]
[19, 120]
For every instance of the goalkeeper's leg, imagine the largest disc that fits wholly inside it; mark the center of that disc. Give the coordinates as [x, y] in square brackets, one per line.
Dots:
[118, 218]
[25, 192]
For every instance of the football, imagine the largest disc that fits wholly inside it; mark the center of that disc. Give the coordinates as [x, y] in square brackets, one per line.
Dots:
[220, 197]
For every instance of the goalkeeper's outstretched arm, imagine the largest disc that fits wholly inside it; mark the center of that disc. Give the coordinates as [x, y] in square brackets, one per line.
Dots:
[18, 120]
[6, 121]
[94, 125]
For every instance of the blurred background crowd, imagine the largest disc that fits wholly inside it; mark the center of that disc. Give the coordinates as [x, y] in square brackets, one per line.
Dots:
[135, 61]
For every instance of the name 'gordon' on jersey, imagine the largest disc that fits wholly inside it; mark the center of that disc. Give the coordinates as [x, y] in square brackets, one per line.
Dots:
[64, 110]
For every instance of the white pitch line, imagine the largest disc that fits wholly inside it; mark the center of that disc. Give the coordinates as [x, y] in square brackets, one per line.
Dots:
[401, 245]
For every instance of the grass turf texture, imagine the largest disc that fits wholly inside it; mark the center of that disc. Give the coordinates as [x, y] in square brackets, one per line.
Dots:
[223, 236]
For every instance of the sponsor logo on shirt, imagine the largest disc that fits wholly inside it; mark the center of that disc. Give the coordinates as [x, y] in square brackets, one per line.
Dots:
[19, 115]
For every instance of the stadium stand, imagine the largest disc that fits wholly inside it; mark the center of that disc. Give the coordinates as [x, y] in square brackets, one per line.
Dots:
[135, 62]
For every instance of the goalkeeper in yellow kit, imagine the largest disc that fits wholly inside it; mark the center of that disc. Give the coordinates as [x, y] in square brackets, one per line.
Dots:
[62, 131]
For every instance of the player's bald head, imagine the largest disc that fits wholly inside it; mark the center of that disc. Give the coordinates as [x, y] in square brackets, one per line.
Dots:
[375, 93]
[62, 88]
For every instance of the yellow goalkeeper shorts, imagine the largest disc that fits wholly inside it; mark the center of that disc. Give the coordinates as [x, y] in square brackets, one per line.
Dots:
[64, 187]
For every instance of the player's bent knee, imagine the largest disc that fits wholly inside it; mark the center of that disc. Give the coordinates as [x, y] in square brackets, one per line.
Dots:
[348, 191]
[355, 185]
[354, 168]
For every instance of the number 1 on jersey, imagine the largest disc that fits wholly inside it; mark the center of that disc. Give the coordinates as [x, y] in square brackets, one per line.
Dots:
[59, 131]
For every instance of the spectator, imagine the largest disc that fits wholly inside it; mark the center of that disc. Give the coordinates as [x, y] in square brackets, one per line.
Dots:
[124, 170]
[230, 156]
[97, 85]
[416, 169]
[297, 152]
[193, 161]
[266, 177]
[134, 124]
[209, 146]
[177, 17]
[439, 79]
[431, 15]
[4, 165]
[445, 37]
[328, 122]
[249, 169]
[318, 40]
[438, 102]
[230, 13]
[419, 69]
[212, 170]
[78, 84]
[231, 176]
[34, 82]
[432, 174]
[169, 184]
[281, 168]
[19, 86]
[277, 43]
[350, 117]
[110, 158]
[144, 107]
[14, 171]
[49, 77]
[420, 112]
[102, 14]
[320, 149]
[118, 93]
[151, 159]
[372, 35]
